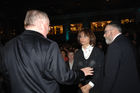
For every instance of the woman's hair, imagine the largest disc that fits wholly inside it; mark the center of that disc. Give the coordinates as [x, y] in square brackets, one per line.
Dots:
[89, 34]
[33, 16]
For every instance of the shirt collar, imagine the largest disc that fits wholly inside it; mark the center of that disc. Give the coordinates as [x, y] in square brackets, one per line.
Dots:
[89, 47]
[87, 51]
[116, 36]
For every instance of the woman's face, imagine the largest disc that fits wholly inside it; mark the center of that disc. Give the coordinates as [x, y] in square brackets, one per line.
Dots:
[63, 53]
[84, 40]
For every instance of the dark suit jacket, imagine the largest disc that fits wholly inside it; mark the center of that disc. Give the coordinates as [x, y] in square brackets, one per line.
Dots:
[35, 64]
[96, 60]
[68, 88]
[1, 46]
[67, 65]
[120, 68]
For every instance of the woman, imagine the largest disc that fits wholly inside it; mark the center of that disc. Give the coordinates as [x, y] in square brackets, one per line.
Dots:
[89, 55]
[64, 55]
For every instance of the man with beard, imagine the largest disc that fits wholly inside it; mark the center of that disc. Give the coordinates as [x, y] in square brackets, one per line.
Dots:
[120, 63]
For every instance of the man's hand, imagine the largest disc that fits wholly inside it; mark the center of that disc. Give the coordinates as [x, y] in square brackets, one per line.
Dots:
[87, 71]
[86, 88]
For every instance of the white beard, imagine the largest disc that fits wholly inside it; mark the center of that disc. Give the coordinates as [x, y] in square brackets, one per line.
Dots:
[108, 41]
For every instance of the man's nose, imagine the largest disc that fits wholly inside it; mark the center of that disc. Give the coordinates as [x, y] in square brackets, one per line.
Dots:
[104, 35]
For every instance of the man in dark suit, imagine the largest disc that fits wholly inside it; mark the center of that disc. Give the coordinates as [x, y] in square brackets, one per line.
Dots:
[1, 75]
[1, 46]
[120, 64]
[69, 88]
[34, 62]
[70, 61]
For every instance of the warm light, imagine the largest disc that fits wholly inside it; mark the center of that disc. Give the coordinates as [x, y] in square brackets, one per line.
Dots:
[76, 27]
[109, 22]
[99, 26]
[123, 21]
[72, 25]
[56, 29]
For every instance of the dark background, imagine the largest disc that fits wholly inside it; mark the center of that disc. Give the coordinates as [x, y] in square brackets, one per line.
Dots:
[15, 10]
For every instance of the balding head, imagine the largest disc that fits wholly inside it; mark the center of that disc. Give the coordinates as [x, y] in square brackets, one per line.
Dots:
[37, 20]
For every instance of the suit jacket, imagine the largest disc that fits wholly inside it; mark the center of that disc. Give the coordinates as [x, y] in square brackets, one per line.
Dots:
[68, 88]
[96, 61]
[1, 58]
[120, 68]
[67, 65]
[35, 64]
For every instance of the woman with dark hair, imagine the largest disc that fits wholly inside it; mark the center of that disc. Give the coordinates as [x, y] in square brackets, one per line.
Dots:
[89, 55]
[64, 55]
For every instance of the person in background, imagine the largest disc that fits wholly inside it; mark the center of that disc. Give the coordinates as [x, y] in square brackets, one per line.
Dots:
[1, 70]
[91, 56]
[1, 51]
[70, 61]
[34, 62]
[120, 62]
[69, 64]
[64, 55]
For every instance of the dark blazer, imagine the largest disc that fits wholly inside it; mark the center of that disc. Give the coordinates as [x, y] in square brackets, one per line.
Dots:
[1, 46]
[67, 65]
[96, 60]
[68, 88]
[35, 64]
[120, 68]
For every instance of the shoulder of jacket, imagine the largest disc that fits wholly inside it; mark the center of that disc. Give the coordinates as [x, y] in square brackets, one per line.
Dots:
[79, 50]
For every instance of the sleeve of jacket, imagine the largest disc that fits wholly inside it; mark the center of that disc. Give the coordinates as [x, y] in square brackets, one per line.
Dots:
[2, 64]
[75, 67]
[57, 67]
[1, 59]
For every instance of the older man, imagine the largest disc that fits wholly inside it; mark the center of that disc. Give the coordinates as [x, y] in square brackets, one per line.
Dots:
[120, 65]
[34, 62]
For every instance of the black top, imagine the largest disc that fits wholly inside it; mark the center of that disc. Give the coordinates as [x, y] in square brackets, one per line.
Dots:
[96, 61]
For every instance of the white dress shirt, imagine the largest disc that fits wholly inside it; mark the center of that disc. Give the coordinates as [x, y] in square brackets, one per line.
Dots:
[87, 53]
[71, 64]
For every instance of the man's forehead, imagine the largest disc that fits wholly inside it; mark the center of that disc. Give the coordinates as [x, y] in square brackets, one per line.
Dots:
[109, 27]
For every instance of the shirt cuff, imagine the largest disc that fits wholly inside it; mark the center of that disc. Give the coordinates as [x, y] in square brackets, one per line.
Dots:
[91, 84]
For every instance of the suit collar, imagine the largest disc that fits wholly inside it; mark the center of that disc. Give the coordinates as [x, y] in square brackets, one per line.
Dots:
[32, 32]
[117, 38]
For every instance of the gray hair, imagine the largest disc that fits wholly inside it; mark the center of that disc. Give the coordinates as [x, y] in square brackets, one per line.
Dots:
[33, 16]
[116, 25]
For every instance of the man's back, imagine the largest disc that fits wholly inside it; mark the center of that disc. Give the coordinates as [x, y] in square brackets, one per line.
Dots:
[33, 64]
